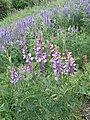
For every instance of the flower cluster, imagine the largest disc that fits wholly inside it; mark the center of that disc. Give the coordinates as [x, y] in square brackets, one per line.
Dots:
[62, 63]
[66, 9]
[22, 71]
[39, 53]
[28, 58]
[49, 50]
[56, 10]
[57, 65]
[65, 65]
[14, 75]
[75, 7]
[38, 49]
[70, 66]
[15, 34]
[46, 14]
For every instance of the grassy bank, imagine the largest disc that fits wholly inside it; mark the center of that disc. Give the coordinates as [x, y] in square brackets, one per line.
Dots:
[29, 11]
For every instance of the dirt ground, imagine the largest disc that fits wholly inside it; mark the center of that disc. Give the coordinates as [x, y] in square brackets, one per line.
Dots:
[85, 111]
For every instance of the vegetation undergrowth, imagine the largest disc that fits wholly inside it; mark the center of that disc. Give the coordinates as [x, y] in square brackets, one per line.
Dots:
[45, 62]
[27, 11]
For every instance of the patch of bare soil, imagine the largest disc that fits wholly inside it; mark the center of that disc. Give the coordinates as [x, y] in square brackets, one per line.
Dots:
[85, 111]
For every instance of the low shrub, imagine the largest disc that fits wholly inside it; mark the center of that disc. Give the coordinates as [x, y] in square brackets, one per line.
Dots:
[21, 4]
[3, 9]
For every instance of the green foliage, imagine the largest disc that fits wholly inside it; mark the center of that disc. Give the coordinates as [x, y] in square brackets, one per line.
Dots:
[21, 4]
[9, 3]
[87, 24]
[41, 98]
[4, 62]
[79, 45]
[44, 98]
[3, 9]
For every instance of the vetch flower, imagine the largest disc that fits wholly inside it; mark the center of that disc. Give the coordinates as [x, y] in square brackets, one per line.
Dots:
[75, 17]
[57, 65]
[39, 53]
[87, 8]
[56, 10]
[66, 9]
[47, 54]
[69, 66]
[22, 70]
[22, 40]
[24, 51]
[28, 58]
[84, 2]
[38, 49]
[49, 50]
[46, 14]
[14, 75]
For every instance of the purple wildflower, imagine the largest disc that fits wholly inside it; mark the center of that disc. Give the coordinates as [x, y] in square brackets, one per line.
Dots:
[84, 2]
[22, 41]
[46, 14]
[66, 9]
[38, 49]
[88, 9]
[27, 57]
[56, 10]
[57, 65]
[22, 71]
[39, 53]
[1, 46]
[49, 51]
[70, 66]
[75, 17]
[49, 46]
[24, 51]
[14, 75]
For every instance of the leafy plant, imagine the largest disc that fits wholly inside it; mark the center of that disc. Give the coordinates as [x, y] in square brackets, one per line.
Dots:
[3, 9]
[18, 4]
